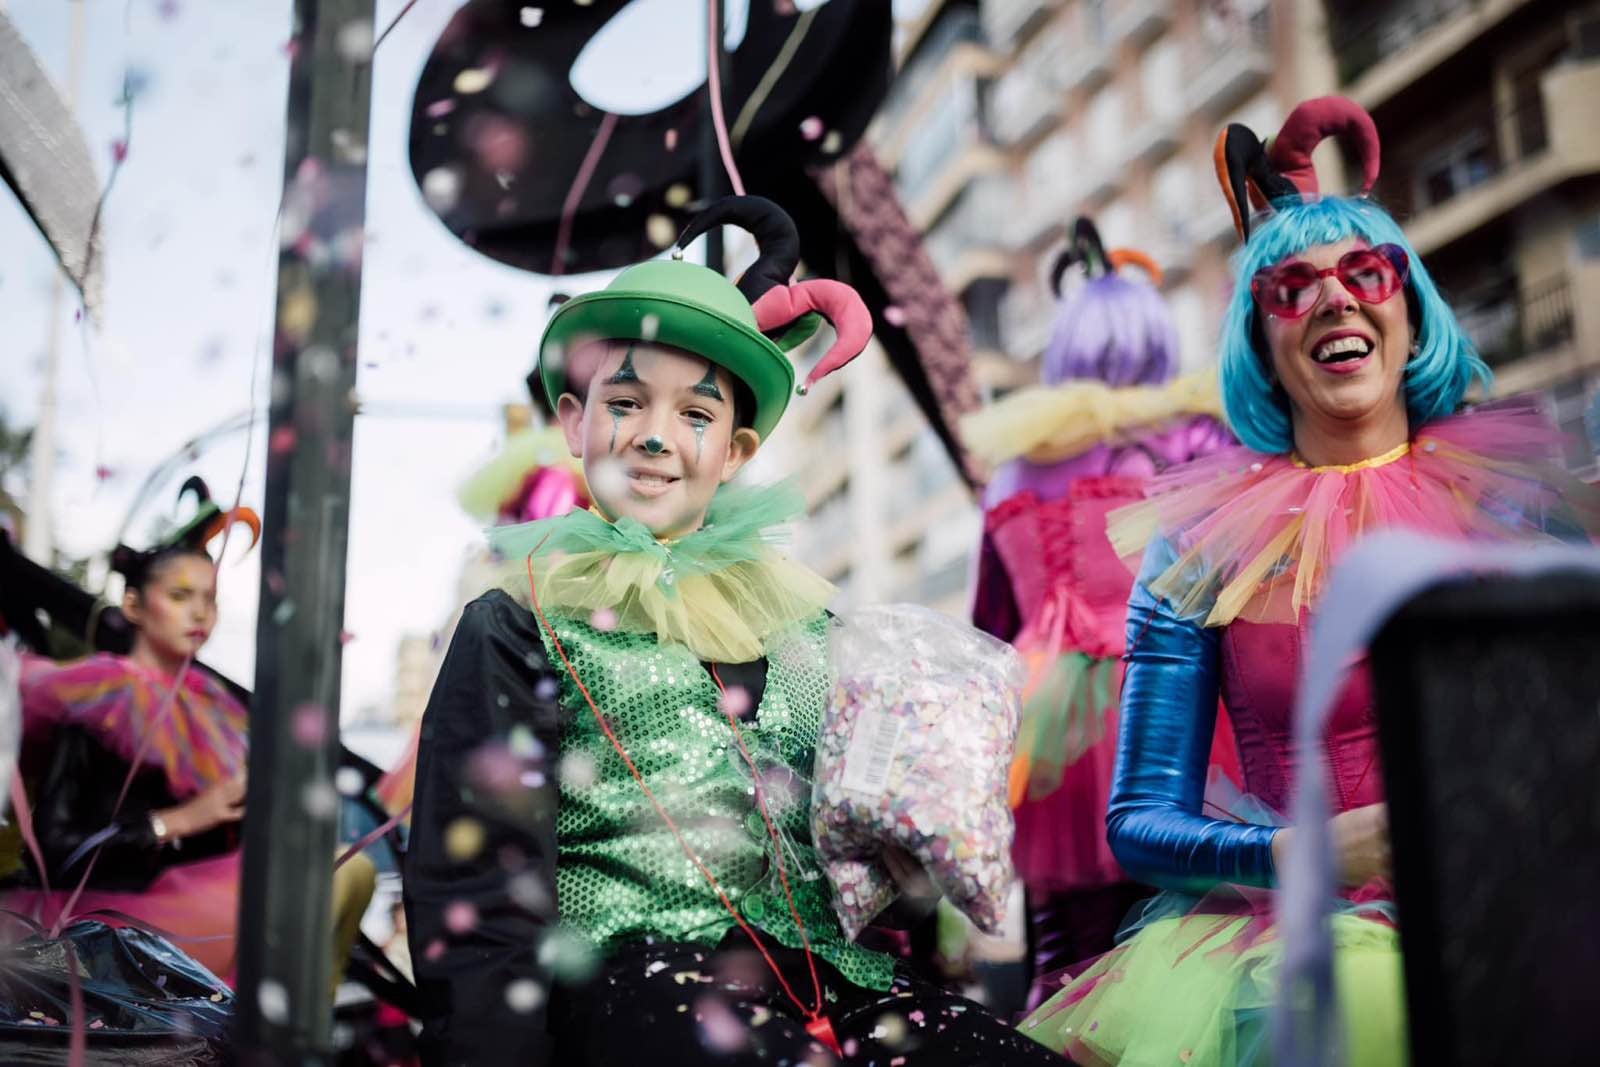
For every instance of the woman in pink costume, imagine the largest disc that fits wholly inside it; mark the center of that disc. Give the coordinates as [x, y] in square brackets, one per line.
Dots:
[137, 762]
[1107, 418]
[1343, 372]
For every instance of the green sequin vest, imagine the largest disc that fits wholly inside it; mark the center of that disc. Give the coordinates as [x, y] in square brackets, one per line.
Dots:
[620, 874]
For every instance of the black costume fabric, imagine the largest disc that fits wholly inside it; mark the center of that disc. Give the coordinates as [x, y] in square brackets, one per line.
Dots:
[495, 991]
[690, 1005]
[77, 800]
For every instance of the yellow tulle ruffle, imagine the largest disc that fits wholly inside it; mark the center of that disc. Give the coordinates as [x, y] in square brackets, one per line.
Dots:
[1047, 424]
[725, 616]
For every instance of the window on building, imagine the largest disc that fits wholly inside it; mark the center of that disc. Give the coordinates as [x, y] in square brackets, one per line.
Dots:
[1173, 189]
[1105, 126]
[1118, 226]
[1586, 35]
[1465, 162]
[1588, 238]
[1197, 330]
[1161, 80]
[1262, 113]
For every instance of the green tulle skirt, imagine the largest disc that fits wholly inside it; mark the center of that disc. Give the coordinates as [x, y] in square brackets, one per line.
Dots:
[1196, 984]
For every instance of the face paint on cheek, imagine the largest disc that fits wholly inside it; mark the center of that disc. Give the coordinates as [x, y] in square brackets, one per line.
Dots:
[699, 441]
[616, 428]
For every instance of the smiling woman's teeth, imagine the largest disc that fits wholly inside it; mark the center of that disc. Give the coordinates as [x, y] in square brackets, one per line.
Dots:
[1341, 349]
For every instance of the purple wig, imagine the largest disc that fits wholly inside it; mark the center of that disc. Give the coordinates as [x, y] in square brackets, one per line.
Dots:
[1115, 329]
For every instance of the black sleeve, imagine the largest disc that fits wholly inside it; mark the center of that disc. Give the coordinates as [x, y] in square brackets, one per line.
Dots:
[74, 802]
[495, 679]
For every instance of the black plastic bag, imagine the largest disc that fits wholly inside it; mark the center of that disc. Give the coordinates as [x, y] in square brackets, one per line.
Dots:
[144, 1001]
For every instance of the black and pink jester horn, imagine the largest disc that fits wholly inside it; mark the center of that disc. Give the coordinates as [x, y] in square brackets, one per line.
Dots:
[779, 302]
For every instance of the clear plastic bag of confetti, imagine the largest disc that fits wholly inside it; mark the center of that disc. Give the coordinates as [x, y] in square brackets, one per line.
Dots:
[914, 752]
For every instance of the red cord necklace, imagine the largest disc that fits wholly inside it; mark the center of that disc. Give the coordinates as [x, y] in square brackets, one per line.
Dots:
[817, 1023]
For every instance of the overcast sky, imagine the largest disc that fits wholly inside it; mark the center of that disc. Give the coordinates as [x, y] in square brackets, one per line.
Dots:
[445, 333]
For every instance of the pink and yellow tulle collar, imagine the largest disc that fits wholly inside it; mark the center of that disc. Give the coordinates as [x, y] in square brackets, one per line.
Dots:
[1255, 535]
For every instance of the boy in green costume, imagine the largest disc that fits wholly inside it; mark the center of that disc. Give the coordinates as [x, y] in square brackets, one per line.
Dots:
[611, 859]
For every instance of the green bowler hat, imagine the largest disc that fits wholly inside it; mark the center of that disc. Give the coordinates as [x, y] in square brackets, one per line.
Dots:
[682, 304]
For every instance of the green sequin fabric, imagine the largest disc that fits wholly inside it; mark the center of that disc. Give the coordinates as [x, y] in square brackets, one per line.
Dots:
[620, 873]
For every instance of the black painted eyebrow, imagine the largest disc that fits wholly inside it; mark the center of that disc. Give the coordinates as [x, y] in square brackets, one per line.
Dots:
[625, 375]
[707, 386]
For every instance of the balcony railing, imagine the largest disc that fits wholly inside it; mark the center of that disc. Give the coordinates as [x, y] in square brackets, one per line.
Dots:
[1021, 105]
[1371, 33]
[1136, 20]
[1231, 59]
[1008, 21]
[1507, 322]
[1026, 313]
[951, 126]
[974, 225]
[959, 25]
[1530, 128]
[1547, 319]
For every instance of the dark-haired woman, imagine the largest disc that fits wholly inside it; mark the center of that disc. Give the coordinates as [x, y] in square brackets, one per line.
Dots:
[137, 767]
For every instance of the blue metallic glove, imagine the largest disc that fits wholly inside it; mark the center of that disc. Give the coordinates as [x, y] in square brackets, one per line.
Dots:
[1169, 711]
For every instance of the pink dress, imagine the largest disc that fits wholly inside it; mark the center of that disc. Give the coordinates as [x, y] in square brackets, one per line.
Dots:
[1072, 591]
[167, 744]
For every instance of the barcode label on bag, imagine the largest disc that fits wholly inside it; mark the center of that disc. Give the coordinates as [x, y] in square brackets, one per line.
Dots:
[871, 753]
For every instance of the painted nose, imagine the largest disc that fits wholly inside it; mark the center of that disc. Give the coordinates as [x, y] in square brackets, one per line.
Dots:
[654, 445]
[1336, 299]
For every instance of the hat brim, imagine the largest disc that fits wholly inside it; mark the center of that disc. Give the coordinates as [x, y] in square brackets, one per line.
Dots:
[634, 315]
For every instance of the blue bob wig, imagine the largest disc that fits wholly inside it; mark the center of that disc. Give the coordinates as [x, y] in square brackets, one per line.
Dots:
[1436, 378]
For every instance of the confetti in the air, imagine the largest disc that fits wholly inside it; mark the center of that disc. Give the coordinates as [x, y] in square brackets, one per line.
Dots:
[273, 1000]
[735, 701]
[464, 839]
[524, 995]
[460, 916]
[310, 725]
[474, 80]
[319, 800]
[720, 1030]
[354, 41]
[660, 230]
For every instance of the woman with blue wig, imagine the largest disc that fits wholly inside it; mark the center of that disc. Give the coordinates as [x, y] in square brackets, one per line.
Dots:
[1344, 373]
[1107, 416]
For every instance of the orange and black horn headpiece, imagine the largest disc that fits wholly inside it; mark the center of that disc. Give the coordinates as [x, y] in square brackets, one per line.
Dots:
[1256, 174]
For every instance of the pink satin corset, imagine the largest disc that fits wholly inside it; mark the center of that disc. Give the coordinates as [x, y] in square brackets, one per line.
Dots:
[1260, 672]
[1064, 574]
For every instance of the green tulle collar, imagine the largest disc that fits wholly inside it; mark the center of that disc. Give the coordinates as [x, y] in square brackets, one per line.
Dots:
[743, 523]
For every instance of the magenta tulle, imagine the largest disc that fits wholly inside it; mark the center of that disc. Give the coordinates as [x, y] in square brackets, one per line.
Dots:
[196, 905]
[196, 735]
[1073, 592]
[1256, 535]
[1060, 841]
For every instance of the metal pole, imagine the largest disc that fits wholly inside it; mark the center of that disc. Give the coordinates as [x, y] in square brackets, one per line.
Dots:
[713, 183]
[285, 940]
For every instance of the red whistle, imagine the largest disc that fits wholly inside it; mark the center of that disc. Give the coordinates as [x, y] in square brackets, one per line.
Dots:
[822, 1030]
